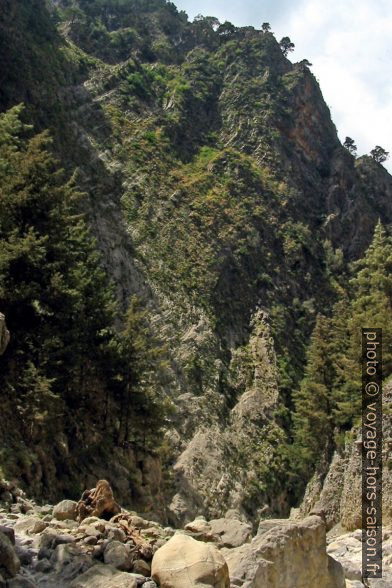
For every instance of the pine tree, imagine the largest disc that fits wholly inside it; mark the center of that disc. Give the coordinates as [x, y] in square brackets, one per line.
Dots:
[52, 287]
[286, 45]
[350, 145]
[329, 399]
[371, 307]
[379, 154]
[138, 370]
[313, 416]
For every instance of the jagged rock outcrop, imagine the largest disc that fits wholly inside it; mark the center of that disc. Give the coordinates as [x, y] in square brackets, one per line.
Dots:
[97, 502]
[4, 334]
[209, 472]
[285, 554]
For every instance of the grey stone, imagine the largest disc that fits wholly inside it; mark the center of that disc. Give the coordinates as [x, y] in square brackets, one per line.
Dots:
[43, 566]
[9, 561]
[116, 534]
[47, 509]
[104, 576]
[118, 555]
[232, 532]
[69, 562]
[9, 532]
[91, 531]
[25, 505]
[142, 567]
[48, 540]
[65, 510]
[25, 555]
[29, 525]
[90, 540]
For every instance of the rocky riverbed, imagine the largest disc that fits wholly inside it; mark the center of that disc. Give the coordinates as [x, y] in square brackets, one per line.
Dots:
[347, 549]
[48, 546]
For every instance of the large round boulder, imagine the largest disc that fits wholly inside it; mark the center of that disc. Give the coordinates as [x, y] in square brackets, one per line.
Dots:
[65, 510]
[184, 562]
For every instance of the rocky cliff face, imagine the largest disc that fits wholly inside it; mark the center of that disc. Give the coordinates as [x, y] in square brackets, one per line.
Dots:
[214, 175]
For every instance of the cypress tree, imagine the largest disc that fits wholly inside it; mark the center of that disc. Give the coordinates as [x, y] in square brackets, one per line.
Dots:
[313, 422]
[53, 290]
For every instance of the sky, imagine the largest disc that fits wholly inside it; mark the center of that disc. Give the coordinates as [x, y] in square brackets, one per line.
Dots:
[349, 43]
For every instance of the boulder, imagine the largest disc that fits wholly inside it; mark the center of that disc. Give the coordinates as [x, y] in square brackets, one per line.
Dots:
[9, 532]
[69, 562]
[9, 561]
[25, 505]
[118, 555]
[347, 550]
[90, 540]
[199, 525]
[232, 532]
[139, 522]
[92, 531]
[98, 502]
[44, 566]
[65, 510]
[25, 555]
[30, 525]
[226, 532]
[184, 562]
[285, 554]
[48, 541]
[115, 534]
[142, 567]
[104, 576]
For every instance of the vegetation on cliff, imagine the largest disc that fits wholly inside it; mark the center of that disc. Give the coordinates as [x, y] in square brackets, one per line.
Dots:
[329, 400]
[217, 191]
[66, 365]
